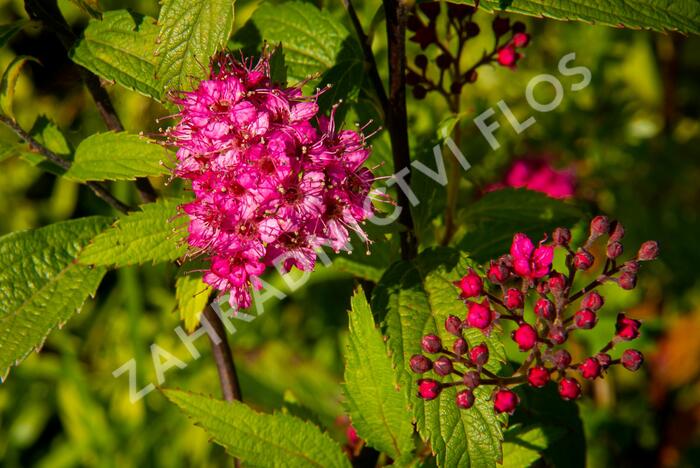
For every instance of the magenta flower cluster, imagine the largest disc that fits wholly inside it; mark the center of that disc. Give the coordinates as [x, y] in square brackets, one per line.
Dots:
[543, 324]
[273, 180]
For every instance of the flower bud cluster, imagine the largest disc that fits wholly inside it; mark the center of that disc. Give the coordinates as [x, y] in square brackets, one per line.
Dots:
[557, 312]
[423, 23]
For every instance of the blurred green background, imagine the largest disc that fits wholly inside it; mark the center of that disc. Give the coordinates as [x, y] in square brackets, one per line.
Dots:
[632, 137]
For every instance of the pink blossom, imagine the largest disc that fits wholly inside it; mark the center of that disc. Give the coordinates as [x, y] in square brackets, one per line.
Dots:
[540, 176]
[272, 179]
[528, 261]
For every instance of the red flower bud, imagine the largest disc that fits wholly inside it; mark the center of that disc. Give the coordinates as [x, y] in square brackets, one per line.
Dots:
[497, 273]
[583, 260]
[648, 251]
[351, 435]
[465, 399]
[471, 285]
[630, 266]
[420, 364]
[600, 225]
[561, 236]
[538, 376]
[627, 328]
[593, 301]
[627, 280]
[460, 347]
[479, 315]
[632, 359]
[500, 25]
[569, 389]
[479, 354]
[442, 366]
[518, 27]
[431, 344]
[561, 359]
[513, 299]
[585, 319]
[525, 336]
[472, 379]
[521, 39]
[604, 360]
[589, 368]
[614, 250]
[428, 389]
[557, 334]
[617, 232]
[505, 401]
[453, 325]
[544, 308]
[557, 283]
[507, 56]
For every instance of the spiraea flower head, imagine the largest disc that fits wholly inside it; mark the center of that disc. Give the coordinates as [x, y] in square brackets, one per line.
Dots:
[273, 180]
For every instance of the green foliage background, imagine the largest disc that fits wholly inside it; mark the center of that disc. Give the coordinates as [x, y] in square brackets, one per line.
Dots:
[632, 136]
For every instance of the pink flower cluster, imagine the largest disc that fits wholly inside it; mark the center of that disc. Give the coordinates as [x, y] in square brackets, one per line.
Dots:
[540, 176]
[543, 324]
[270, 186]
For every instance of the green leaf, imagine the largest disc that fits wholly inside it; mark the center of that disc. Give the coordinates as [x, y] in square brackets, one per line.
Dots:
[117, 156]
[523, 444]
[259, 439]
[41, 284]
[121, 48]
[417, 297]
[153, 234]
[7, 31]
[192, 296]
[190, 32]
[658, 15]
[9, 80]
[48, 134]
[91, 7]
[377, 407]
[312, 38]
[278, 69]
[543, 407]
[493, 220]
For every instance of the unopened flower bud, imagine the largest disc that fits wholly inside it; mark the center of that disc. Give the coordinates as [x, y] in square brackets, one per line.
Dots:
[479, 315]
[569, 389]
[479, 354]
[583, 260]
[627, 280]
[600, 225]
[420, 364]
[472, 29]
[589, 368]
[521, 39]
[525, 336]
[421, 61]
[632, 359]
[538, 376]
[465, 399]
[431, 9]
[557, 283]
[442, 366]
[460, 347]
[500, 25]
[561, 236]
[557, 334]
[585, 319]
[648, 251]
[513, 299]
[443, 61]
[617, 232]
[471, 285]
[472, 379]
[544, 308]
[561, 359]
[593, 301]
[614, 250]
[505, 401]
[431, 344]
[453, 325]
[604, 360]
[627, 328]
[428, 389]
[497, 273]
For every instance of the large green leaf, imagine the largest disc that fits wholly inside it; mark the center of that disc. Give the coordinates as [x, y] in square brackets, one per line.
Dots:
[417, 297]
[378, 408]
[313, 40]
[523, 445]
[659, 15]
[153, 234]
[190, 32]
[117, 156]
[121, 48]
[259, 439]
[41, 284]
[492, 221]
